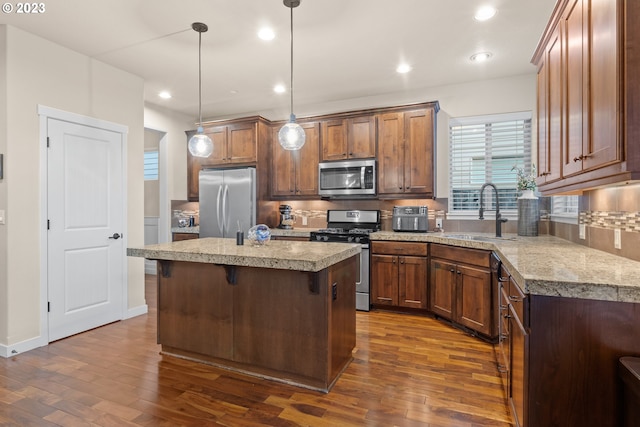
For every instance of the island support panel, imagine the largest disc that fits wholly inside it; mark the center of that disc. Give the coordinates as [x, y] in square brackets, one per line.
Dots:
[290, 326]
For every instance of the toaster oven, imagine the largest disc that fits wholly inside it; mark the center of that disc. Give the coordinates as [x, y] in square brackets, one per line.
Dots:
[410, 218]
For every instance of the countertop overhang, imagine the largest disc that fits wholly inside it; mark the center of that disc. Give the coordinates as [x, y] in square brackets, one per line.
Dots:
[277, 254]
[547, 265]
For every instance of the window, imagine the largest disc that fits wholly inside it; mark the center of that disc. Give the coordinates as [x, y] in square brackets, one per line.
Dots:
[485, 149]
[150, 165]
[564, 208]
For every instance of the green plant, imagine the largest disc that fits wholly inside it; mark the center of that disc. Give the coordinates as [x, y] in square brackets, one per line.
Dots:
[525, 181]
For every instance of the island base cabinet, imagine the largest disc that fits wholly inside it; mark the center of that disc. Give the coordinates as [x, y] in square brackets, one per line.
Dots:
[289, 326]
[570, 372]
[195, 298]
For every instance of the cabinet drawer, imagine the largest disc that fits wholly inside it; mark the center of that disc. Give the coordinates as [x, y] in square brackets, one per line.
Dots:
[464, 255]
[399, 248]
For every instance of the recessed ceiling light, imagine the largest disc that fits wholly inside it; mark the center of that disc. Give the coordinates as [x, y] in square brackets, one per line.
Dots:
[480, 56]
[279, 89]
[164, 95]
[403, 68]
[266, 34]
[485, 13]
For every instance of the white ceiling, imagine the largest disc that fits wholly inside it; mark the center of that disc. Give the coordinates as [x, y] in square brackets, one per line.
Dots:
[343, 49]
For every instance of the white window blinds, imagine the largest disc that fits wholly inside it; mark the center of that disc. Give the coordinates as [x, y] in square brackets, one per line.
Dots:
[150, 165]
[564, 206]
[485, 149]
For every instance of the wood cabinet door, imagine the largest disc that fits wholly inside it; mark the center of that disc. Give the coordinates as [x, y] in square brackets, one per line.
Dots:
[390, 153]
[473, 299]
[384, 280]
[554, 92]
[418, 151]
[219, 137]
[412, 281]
[577, 114]
[334, 140]
[282, 169]
[307, 159]
[442, 288]
[361, 137]
[242, 144]
[605, 144]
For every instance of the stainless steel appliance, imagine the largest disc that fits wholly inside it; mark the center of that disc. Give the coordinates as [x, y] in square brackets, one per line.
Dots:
[286, 218]
[410, 218]
[227, 201]
[352, 226]
[350, 178]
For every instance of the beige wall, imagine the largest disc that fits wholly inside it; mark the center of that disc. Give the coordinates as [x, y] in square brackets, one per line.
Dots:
[152, 188]
[4, 289]
[39, 72]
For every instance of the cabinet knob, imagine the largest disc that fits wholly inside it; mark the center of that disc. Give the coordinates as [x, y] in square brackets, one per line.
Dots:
[514, 298]
[452, 270]
[459, 272]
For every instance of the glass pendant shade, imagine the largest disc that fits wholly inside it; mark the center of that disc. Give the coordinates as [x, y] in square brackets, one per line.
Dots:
[291, 136]
[200, 145]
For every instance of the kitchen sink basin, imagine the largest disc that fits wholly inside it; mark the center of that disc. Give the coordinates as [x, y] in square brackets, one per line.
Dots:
[476, 237]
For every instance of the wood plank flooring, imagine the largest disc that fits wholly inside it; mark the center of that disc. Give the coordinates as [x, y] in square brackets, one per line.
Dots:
[407, 371]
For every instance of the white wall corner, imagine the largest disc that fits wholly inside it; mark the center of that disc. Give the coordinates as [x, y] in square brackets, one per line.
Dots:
[137, 311]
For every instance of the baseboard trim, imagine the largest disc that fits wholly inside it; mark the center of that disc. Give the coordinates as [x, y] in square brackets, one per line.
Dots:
[137, 311]
[7, 351]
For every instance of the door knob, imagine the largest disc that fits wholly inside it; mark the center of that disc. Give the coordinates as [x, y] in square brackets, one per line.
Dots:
[115, 236]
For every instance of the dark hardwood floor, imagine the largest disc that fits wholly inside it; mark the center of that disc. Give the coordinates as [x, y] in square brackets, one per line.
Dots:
[407, 371]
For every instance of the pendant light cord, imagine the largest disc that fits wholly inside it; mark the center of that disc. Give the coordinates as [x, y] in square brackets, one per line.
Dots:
[200, 78]
[291, 71]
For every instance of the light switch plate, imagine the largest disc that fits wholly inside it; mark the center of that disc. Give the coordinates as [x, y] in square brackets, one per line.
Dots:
[617, 239]
[439, 223]
[583, 231]
[2, 217]
[304, 220]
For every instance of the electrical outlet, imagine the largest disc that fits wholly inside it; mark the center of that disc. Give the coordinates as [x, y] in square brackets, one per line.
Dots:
[583, 231]
[439, 223]
[304, 220]
[617, 239]
[2, 217]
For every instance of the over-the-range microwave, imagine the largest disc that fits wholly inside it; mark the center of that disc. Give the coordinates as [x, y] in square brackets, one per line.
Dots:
[348, 178]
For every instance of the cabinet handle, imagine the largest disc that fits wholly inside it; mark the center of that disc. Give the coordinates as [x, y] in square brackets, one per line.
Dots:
[501, 368]
[506, 316]
[503, 307]
[581, 157]
[514, 298]
[545, 173]
[504, 336]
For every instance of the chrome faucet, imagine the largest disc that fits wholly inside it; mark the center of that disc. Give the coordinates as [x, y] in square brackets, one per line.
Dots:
[499, 219]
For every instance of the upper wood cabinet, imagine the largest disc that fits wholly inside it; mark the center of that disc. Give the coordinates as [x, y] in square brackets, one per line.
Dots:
[351, 138]
[406, 152]
[235, 142]
[294, 173]
[588, 96]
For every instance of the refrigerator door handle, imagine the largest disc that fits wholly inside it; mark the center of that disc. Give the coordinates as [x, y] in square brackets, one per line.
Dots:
[225, 208]
[218, 211]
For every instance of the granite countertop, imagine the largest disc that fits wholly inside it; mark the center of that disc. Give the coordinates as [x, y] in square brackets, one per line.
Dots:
[278, 254]
[547, 265]
[190, 230]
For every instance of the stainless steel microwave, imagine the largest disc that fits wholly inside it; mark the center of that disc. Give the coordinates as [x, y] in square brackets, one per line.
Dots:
[349, 178]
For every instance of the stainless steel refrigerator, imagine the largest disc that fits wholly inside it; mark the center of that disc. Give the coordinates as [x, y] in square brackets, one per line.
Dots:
[227, 198]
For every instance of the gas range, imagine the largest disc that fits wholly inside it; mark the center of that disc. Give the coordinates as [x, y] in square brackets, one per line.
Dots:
[348, 226]
[352, 226]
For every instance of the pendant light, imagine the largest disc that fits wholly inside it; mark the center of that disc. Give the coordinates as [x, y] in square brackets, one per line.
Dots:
[200, 145]
[291, 135]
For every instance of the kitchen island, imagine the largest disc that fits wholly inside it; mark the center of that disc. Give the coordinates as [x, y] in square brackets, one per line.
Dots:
[284, 311]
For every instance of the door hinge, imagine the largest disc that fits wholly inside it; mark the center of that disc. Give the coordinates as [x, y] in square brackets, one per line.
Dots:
[48, 225]
[47, 142]
[48, 307]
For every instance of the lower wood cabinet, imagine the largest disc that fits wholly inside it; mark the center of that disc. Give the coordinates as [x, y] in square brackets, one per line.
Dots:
[460, 287]
[399, 274]
[184, 236]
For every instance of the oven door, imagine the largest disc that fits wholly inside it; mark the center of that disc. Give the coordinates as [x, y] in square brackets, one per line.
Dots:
[362, 283]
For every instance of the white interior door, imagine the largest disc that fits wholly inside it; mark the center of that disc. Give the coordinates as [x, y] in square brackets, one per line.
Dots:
[86, 219]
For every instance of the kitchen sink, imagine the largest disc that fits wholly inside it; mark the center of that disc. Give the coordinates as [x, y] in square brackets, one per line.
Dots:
[476, 237]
